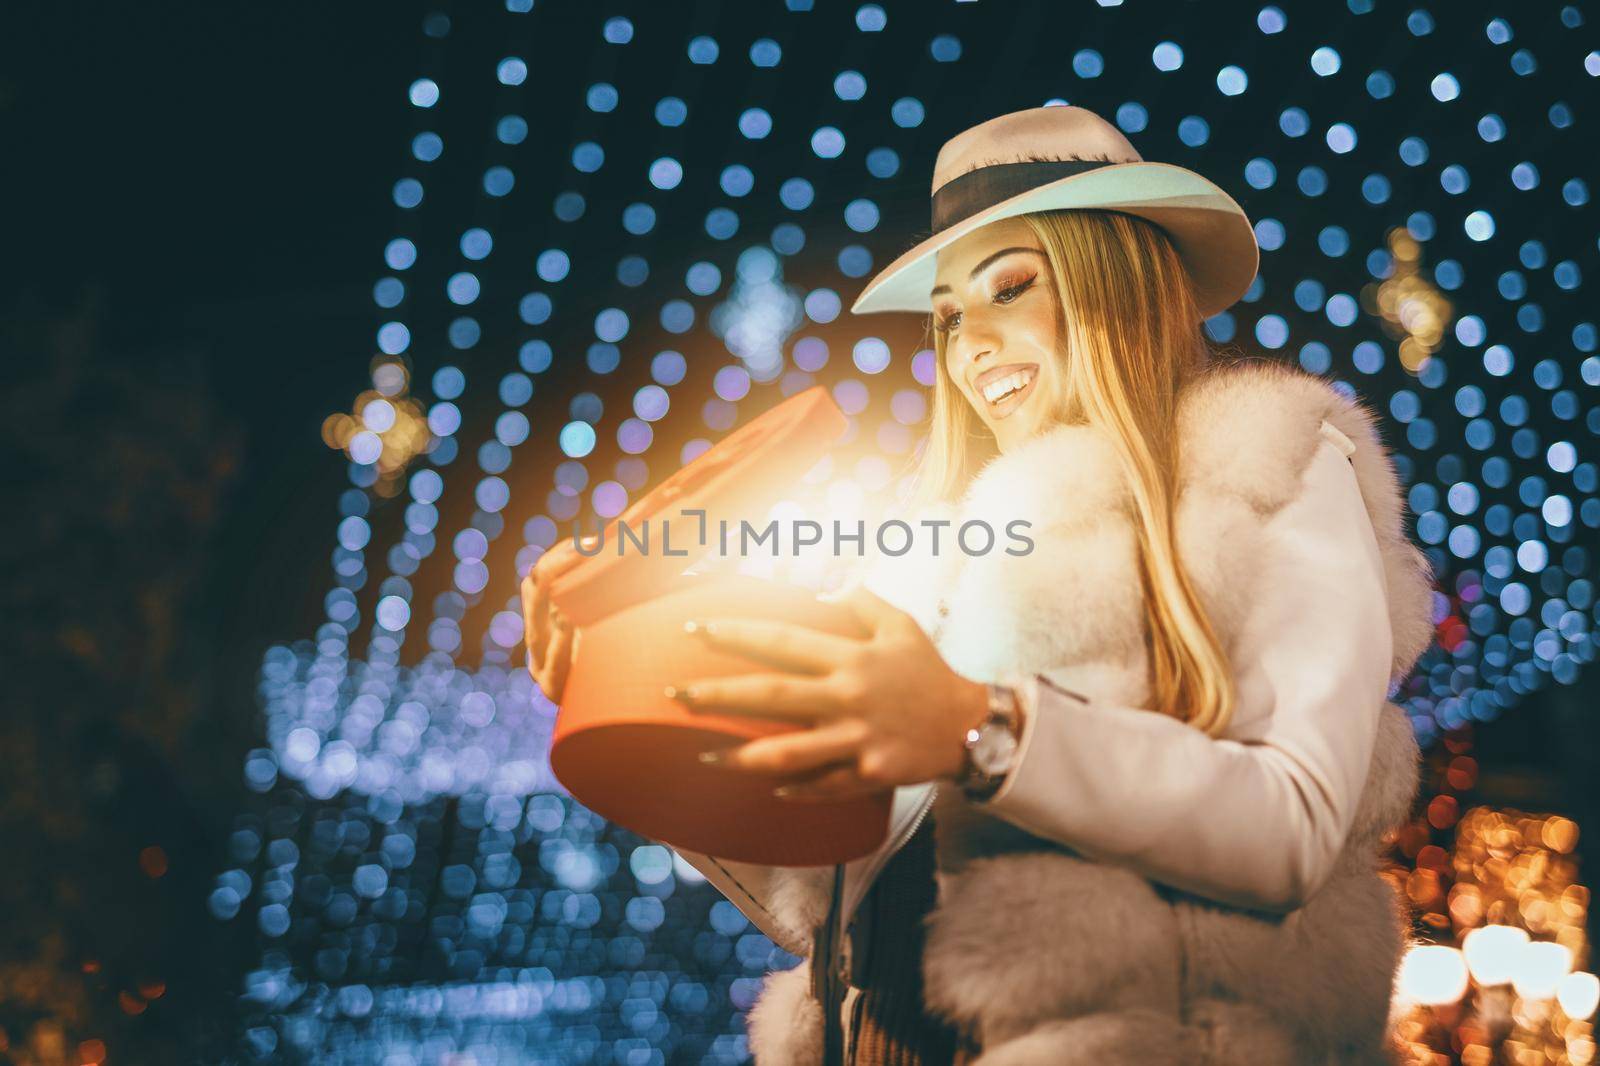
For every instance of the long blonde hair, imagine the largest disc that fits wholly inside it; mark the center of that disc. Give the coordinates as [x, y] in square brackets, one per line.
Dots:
[1130, 338]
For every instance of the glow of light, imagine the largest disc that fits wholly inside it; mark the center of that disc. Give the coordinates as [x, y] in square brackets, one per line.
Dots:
[1579, 995]
[666, 173]
[871, 355]
[424, 92]
[703, 50]
[1492, 952]
[577, 439]
[1167, 56]
[511, 71]
[365, 447]
[907, 112]
[393, 613]
[1539, 967]
[828, 142]
[393, 338]
[1432, 974]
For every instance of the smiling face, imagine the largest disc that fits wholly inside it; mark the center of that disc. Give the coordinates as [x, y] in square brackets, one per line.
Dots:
[995, 303]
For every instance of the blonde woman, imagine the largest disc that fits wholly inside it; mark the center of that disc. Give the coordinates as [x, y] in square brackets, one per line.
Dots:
[1142, 766]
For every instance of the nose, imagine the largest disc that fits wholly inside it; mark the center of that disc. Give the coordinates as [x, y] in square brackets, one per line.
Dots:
[977, 346]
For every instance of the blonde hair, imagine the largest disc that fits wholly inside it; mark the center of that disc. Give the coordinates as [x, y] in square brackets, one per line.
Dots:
[1130, 338]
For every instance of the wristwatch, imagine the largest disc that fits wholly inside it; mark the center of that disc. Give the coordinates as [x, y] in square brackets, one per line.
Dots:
[991, 746]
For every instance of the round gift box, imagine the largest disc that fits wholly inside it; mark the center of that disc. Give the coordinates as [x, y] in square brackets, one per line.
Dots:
[621, 747]
[631, 754]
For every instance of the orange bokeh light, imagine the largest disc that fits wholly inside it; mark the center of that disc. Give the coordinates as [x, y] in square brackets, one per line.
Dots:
[153, 861]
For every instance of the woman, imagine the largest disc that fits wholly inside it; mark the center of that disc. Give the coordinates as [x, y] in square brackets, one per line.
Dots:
[1174, 858]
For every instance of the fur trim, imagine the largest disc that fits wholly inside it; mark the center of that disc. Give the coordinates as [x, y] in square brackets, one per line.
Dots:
[1414, 609]
[784, 1027]
[799, 899]
[1229, 1033]
[1255, 392]
[1325, 971]
[1249, 429]
[1392, 780]
[1021, 626]
[1099, 939]
[1145, 1036]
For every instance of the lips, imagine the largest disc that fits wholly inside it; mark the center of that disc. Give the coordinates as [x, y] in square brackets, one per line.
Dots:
[993, 372]
[997, 378]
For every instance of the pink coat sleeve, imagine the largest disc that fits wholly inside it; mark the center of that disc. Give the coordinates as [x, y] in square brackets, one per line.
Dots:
[1255, 820]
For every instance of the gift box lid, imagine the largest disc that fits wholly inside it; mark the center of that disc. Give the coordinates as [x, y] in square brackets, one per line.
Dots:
[739, 477]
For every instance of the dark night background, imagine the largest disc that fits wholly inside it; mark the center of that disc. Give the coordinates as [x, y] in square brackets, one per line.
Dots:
[195, 196]
[196, 199]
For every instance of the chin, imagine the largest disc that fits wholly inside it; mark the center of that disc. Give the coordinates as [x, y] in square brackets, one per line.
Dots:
[1024, 421]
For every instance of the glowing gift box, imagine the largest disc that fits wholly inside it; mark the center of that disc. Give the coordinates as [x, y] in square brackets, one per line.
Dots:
[625, 750]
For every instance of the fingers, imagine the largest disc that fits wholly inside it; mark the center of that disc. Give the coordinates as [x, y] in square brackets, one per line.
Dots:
[540, 616]
[809, 750]
[530, 622]
[874, 611]
[761, 695]
[558, 663]
[536, 612]
[780, 644]
[841, 782]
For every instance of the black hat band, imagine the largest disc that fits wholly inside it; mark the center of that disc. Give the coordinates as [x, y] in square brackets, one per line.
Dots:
[963, 197]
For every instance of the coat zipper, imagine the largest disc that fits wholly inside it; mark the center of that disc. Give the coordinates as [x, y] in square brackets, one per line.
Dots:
[916, 823]
[898, 840]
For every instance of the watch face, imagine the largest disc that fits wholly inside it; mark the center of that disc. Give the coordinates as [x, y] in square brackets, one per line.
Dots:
[993, 752]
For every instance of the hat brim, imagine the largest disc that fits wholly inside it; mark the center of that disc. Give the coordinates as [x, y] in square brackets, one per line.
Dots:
[1208, 228]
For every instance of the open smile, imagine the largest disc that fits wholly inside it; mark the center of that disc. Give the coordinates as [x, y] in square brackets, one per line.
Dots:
[1004, 392]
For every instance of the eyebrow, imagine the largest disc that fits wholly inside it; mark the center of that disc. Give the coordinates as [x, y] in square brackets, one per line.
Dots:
[937, 289]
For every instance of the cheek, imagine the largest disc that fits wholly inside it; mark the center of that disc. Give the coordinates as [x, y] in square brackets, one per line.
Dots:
[1036, 325]
[955, 378]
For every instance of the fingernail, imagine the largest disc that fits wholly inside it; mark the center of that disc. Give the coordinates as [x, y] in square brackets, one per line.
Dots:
[713, 757]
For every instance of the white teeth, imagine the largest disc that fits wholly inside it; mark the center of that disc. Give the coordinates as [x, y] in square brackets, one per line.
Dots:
[997, 389]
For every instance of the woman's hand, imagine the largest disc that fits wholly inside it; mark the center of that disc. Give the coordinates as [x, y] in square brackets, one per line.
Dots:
[550, 636]
[889, 710]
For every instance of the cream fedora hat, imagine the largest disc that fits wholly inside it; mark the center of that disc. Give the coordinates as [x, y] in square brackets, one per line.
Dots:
[1056, 157]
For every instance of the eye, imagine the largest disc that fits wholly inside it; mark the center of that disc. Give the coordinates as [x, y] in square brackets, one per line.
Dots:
[1006, 295]
[1011, 292]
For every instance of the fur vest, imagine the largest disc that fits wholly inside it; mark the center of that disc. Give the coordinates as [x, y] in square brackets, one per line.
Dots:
[1049, 957]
